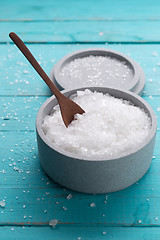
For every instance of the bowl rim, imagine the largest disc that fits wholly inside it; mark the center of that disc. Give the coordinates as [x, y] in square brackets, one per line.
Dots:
[151, 134]
[92, 51]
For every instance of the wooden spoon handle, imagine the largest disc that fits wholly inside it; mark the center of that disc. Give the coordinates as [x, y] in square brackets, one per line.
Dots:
[19, 43]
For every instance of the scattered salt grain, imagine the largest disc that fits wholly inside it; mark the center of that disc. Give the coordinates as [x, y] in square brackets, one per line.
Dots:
[64, 208]
[151, 97]
[109, 127]
[69, 196]
[92, 205]
[155, 54]
[2, 204]
[47, 193]
[53, 223]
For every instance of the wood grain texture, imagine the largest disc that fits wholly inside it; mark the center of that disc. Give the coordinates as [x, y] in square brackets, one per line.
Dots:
[87, 233]
[83, 31]
[102, 9]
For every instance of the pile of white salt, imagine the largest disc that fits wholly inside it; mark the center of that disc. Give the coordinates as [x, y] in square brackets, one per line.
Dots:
[97, 71]
[109, 127]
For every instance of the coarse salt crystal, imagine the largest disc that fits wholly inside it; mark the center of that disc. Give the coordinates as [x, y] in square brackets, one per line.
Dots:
[2, 204]
[53, 223]
[92, 205]
[69, 196]
[64, 208]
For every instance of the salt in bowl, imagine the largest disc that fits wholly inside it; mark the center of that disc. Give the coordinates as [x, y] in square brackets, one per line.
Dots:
[102, 175]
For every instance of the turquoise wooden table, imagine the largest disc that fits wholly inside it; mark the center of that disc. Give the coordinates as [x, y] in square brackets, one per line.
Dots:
[51, 29]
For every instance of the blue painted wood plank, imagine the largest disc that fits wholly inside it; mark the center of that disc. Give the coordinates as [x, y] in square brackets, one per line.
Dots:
[115, 233]
[18, 78]
[74, 31]
[75, 233]
[27, 206]
[90, 9]
[33, 199]
[19, 113]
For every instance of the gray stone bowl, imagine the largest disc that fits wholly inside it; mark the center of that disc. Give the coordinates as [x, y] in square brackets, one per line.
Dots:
[96, 176]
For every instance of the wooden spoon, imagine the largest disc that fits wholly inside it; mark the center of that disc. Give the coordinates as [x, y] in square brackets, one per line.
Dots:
[68, 107]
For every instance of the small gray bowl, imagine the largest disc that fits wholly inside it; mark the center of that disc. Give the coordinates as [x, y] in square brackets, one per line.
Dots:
[96, 176]
[134, 83]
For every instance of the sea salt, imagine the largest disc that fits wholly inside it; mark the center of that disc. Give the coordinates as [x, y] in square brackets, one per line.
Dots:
[53, 223]
[92, 204]
[69, 196]
[96, 70]
[109, 127]
[64, 208]
[2, 204]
